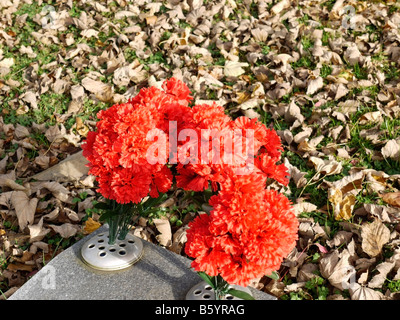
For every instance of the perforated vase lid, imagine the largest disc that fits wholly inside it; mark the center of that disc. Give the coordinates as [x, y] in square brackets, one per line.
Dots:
[98, 254]
[203, 291]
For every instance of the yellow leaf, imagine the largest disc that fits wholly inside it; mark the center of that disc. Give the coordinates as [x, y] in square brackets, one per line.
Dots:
[151, 20]
[342, 206]
[346, 207]
[335, 196]
[91, 225]
[347, 74]
[242, 97]
[379, 179]
[81, 128]
[304, 146]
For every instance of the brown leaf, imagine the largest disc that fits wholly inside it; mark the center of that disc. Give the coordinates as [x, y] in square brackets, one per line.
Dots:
[37, 232]
[66, 230]
[178, 240]
[70, 169]
[234, 69]
[5, 199]
[6, 63]
[24, 208]
[102, 91]
[8, 293]
[327, 167]
[304, 207]
[337, 269]
[391, 150]
[307, 272]
[26, 256]
[374, 236]
[296, 175]
[54, 133]
[340, 238]
[21, 132]
[164, 227]
[346, 207]
[81, 128]
[57, 189]
[383, 268]
[42, 161]
[384, 213]
[275, 288]
[5, 181]
[349, 183]
[18, 266]
[314, 85]
[392, 198]
[293, 113]
[359, 292]
[280, 6]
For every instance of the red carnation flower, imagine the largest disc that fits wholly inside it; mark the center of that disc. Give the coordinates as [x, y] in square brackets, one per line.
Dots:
[243, 238]
[117, 151]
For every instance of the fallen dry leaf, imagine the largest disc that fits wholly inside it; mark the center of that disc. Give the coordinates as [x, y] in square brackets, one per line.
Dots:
[91, 225]
[101, 90]
[359, 292]
[18, 266]
[327, 167]
[304, 207]
[10, 183]
[294, 67]
[315, 85]
[71, 169]
[178, 240]
[37, 232]
[383, 269]
[281, 5]
[164, 228]
[24, 208]
[384, 213]
[234, 69]
[391, 149]
[392, 198]
[7, 63]
[351, 183]
[275, 288]
[342, 206]
[57, 189]
[374, 236]
[337, 269]
[307, 272]
[65, 230]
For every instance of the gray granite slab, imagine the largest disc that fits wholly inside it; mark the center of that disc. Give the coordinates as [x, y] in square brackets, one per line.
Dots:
[159, 275]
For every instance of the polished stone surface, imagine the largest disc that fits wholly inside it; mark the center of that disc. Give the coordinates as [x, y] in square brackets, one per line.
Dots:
[159, 275]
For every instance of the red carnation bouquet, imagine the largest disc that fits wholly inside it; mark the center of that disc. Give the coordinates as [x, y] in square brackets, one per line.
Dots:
[250, 228]
[118, 152]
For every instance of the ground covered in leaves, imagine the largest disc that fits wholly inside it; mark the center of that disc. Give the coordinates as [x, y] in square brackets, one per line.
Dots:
[324, 74]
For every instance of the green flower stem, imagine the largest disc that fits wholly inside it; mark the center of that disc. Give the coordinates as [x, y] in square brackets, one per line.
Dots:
[221, 287]
[119, 223]
[119, 216]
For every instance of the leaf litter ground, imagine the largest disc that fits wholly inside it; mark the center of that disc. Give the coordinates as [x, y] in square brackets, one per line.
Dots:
[328, 82]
